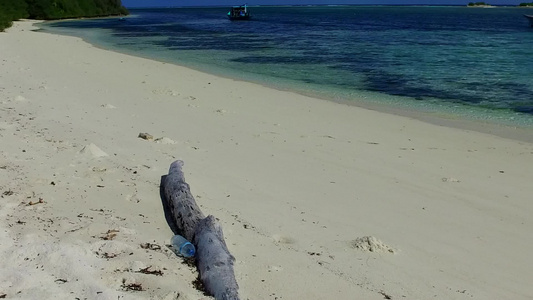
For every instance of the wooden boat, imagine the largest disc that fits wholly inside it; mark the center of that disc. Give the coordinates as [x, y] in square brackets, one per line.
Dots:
[239, 13]
[530, 18]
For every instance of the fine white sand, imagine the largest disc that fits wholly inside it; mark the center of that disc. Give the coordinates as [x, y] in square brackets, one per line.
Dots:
[317, 200]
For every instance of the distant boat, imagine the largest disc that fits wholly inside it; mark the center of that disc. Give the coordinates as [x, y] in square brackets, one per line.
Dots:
[239, 13]
[530, 18]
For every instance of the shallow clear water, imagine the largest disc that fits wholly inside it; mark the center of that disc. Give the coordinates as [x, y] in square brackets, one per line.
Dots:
[458, 60]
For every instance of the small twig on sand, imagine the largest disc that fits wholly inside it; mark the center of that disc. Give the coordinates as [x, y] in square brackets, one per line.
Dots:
[151, 272]
[385, 295]
[36, 202]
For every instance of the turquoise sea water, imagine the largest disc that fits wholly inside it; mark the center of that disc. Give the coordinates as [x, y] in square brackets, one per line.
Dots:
[475, 63]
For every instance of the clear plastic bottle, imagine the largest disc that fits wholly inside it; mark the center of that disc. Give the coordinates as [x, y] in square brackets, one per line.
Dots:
[182, 246]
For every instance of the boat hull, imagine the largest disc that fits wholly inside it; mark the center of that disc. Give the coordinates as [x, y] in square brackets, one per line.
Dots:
[239, 13]
[240, 18]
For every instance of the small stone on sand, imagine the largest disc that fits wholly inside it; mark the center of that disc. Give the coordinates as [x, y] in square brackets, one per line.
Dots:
[146, 136]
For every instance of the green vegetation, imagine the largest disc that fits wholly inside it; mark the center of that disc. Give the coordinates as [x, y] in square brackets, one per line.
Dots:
[61, 9]
[11, 10]
[478, 4]
[526, 4]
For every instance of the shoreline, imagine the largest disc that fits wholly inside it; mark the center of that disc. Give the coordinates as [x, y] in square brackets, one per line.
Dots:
[501, 128]
[317, 199]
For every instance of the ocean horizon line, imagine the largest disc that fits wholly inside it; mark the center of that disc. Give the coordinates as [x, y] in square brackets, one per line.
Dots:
[328, 5]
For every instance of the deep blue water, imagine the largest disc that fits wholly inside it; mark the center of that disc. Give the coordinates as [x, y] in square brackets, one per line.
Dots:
[449, 56]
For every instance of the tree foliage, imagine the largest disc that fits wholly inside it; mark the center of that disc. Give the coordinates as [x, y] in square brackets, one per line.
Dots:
[11, 10]
[61, 9]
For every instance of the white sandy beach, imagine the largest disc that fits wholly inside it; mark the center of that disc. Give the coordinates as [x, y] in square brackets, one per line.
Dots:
[295, 182]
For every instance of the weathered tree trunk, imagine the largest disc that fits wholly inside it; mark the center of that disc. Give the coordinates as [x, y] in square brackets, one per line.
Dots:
[213, 259]
[185, 212]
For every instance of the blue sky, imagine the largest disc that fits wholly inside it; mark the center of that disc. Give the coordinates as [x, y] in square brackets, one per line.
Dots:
[167, 3]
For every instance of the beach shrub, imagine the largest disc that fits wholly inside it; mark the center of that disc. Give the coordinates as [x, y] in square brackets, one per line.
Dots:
[526, 4]
[5, 22]
[14, 9]
[62, 9]
[11, 10]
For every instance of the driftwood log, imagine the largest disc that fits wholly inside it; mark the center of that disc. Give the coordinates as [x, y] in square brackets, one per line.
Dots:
[213, 259]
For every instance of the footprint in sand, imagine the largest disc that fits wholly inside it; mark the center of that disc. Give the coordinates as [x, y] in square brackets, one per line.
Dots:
[133, 198]
[275, 268]
[165, 141]
[5, 125]
[281, 239]
[109, 106]
[20, 98]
